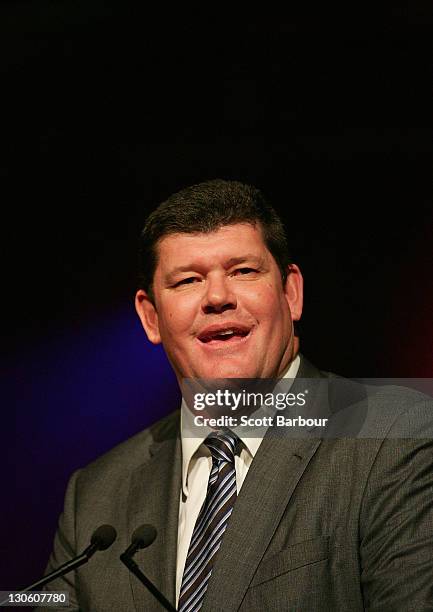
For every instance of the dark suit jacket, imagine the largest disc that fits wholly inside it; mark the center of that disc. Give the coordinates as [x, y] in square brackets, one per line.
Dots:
[319, 524]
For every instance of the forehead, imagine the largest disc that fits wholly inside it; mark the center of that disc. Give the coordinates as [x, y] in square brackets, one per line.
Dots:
[225, 243]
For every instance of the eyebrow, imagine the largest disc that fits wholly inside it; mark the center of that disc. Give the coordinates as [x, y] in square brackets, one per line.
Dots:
[249, 257]
[233, 261]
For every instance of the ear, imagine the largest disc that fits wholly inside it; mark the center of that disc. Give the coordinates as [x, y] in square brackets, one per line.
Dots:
[148, 316]
[294, 291]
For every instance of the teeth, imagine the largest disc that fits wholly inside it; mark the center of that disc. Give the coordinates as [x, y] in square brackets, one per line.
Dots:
[224, 332]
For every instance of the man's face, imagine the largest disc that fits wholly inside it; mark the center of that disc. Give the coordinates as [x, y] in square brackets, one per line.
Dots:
[221, 310]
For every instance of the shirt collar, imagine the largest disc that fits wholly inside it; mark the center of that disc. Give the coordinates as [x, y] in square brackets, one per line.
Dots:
[191, 446]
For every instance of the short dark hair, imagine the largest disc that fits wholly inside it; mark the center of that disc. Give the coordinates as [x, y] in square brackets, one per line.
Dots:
[204, 208]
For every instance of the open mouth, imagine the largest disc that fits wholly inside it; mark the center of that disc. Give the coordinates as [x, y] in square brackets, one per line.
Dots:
[225, 335]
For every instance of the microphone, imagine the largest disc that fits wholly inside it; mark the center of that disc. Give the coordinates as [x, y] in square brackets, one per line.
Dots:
[143, 537]
[102, 538]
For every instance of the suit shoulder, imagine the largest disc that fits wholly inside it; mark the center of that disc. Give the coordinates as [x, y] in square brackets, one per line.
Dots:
[380, 409]
[134, 451]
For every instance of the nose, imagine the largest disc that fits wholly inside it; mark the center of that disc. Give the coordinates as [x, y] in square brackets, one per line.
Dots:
[219, 295]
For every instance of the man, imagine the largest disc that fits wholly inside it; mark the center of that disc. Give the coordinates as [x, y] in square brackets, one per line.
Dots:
[310, 522]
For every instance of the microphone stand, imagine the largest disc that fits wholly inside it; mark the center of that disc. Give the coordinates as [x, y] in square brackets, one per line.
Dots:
[133, 567]
[63, 569]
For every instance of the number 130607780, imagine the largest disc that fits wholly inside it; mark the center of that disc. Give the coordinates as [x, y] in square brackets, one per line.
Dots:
[34, 598]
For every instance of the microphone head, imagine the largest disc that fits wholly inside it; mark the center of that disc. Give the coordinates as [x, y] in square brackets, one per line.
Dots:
[104, 536]
[143, 536]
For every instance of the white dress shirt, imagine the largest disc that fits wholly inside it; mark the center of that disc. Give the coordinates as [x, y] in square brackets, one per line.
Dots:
[196, 467]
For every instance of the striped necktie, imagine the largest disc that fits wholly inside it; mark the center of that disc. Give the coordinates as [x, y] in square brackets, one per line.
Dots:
[211, 522]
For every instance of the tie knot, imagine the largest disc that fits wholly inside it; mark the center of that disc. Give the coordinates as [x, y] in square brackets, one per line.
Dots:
[222, 445]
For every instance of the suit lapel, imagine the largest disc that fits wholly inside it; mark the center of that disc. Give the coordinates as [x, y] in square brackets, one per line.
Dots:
[154, 499]
[268, 487]
[271, 480]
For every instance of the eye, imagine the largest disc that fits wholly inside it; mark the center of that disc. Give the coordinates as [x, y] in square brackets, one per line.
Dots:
[186, 281]
[243, 271]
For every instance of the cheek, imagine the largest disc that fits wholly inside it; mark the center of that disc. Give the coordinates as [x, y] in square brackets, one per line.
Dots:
[177, 318]
[253, 295]
[264, 303]
[275, 315]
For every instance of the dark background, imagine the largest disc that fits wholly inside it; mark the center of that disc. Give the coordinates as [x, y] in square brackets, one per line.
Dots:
[106, 110]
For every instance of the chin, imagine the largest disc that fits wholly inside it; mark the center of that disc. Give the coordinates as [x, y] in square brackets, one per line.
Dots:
[230, 372]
